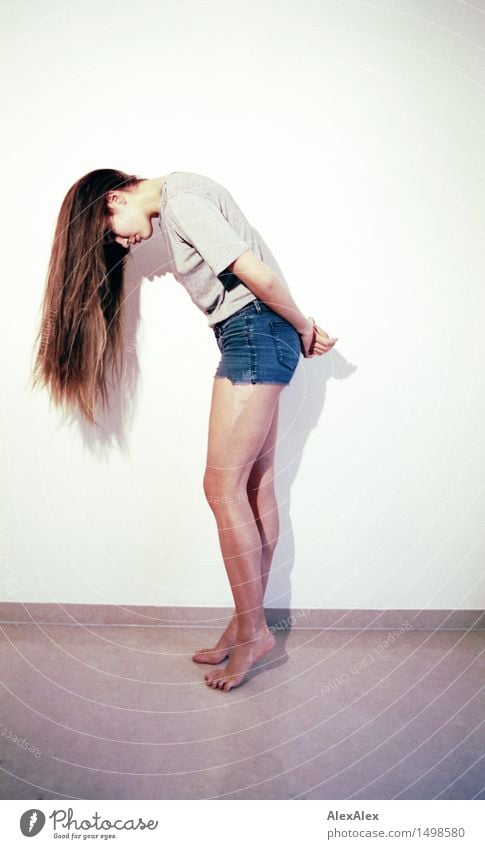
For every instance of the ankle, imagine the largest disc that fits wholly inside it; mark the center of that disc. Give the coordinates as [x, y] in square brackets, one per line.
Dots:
[248, 631]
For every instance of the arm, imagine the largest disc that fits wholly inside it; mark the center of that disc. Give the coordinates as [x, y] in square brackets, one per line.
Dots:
[267, 286]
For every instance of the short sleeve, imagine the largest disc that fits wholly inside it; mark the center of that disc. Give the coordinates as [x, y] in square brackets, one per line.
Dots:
[201, 223]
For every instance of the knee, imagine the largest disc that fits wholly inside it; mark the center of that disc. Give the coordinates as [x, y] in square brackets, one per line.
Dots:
[222, 489]
[210, 483]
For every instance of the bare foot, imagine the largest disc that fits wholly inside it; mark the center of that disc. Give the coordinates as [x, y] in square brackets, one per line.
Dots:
[222, 647]
[243, 656]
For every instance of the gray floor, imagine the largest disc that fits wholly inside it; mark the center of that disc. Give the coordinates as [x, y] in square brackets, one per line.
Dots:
[120, 712]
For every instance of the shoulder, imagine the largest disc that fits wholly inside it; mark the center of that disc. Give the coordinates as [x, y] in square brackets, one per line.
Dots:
[188, 181]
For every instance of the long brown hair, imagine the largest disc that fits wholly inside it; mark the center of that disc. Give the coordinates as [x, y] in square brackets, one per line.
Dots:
[80, 333]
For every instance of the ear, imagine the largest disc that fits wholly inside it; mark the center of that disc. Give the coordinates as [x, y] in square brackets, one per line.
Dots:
[115, 196]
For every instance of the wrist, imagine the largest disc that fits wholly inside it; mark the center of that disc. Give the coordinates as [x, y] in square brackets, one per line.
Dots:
[305, 326]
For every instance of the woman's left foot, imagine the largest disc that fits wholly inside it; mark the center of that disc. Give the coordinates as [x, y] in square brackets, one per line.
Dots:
[243, 656]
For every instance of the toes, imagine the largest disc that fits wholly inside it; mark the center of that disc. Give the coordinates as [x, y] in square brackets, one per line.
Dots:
[197, 654]
[221, 683]
[215, 681]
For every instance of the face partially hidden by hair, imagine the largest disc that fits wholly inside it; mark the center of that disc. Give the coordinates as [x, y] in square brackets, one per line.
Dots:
[127, 222]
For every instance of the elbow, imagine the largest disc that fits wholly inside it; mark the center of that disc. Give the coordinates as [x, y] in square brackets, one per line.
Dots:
[269, 288]
[264, 285]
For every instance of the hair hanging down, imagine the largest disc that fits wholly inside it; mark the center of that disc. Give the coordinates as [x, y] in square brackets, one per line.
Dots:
[80, 334]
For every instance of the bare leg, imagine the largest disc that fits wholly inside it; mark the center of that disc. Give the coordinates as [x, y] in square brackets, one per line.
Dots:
[241, 416]
[262, 499]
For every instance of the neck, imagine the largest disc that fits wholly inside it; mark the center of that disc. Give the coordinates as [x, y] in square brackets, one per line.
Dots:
[149, 190]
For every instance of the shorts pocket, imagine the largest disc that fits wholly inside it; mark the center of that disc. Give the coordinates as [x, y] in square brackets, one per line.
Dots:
[287, 343]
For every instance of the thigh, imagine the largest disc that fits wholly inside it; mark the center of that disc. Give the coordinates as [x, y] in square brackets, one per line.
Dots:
[240, 418]
[262, 472]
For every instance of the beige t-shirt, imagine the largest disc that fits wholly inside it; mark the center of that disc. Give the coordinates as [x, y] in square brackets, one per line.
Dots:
[205, 230]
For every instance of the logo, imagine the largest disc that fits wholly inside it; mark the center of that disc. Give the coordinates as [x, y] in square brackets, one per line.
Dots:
[31, 822]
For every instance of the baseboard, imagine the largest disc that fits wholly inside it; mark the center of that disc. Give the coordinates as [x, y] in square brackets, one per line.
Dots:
[15, 612]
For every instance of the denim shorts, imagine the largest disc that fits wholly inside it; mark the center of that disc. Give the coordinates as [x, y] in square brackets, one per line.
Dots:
[257, 346]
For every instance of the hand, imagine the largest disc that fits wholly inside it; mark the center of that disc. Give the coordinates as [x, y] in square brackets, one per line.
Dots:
[322, 344]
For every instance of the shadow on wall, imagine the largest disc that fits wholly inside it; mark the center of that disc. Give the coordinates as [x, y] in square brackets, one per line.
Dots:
[301, 406]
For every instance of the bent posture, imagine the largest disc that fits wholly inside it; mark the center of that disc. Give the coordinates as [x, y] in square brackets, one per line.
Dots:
[215, 254]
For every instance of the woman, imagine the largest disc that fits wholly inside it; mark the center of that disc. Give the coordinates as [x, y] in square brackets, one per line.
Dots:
[215, 253]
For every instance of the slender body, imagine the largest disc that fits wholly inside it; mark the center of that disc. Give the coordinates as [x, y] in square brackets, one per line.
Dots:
[260, 331]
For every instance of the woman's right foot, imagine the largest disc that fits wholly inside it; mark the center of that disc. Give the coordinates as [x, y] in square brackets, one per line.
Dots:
[222, 648]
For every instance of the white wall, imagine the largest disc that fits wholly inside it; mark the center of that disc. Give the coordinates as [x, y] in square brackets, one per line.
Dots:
[352, 136]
